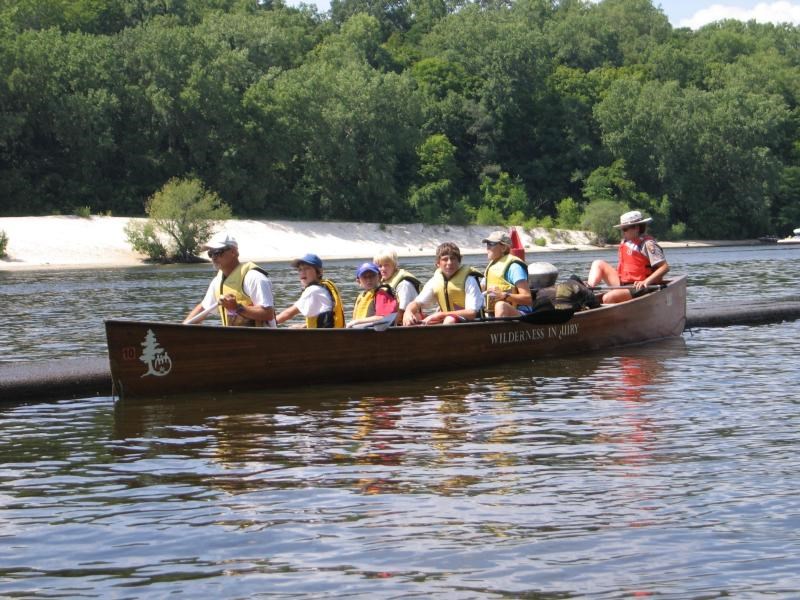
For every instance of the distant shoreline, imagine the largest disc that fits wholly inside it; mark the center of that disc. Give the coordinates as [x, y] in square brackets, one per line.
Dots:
[58, 242]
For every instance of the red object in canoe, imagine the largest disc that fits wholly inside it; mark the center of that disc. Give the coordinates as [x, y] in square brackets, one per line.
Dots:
[517, 249]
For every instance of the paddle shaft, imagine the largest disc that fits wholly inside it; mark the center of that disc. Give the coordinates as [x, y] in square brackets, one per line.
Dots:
[201, 315]
[659, 286]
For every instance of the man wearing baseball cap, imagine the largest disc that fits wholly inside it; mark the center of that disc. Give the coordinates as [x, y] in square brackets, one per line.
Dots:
[320, 302]
[641, 261]
[241, 291]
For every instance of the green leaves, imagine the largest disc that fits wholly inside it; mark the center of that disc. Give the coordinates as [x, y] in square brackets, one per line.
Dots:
[395, 110]
[185, 213]
[710, 152]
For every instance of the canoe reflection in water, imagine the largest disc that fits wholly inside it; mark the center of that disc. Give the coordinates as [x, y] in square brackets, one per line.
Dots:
[635, 428]
[461, 426]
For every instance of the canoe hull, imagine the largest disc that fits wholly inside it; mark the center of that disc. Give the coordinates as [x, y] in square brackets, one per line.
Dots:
[156, 359]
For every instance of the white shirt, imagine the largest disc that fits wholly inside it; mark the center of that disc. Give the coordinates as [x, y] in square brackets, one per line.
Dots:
[256, 285]
[406, 293]
[472, 292]
[314, 300]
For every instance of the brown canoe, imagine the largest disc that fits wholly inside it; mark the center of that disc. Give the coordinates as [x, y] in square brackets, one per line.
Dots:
[155, 359]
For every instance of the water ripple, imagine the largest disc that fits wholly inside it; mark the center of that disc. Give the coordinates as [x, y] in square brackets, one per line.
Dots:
[666, 469]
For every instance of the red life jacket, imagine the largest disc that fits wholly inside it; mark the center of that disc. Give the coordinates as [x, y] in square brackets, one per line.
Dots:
[634, 264]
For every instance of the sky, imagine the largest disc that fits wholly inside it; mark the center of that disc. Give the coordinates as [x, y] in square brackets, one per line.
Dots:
[696, 13]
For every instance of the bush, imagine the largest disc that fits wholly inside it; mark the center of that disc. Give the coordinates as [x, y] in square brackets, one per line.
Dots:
[505, 194]
[487, 215]
[460, 214]
[676, 232]
[516, 218]
[184, 213]
[84, 212]
[3, 243]
[143, 238]
[540, 241]
[430, 201]
[600, 217]
[568, 214]
[546, 222]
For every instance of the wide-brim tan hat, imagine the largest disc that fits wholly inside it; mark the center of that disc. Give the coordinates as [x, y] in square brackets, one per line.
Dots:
[633, 217]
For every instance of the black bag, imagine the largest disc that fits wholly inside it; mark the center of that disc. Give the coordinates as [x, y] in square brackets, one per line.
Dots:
[572, 294]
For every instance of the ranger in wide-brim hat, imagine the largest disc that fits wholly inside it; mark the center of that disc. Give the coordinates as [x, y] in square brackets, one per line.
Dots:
[641, 262]
[632, 218]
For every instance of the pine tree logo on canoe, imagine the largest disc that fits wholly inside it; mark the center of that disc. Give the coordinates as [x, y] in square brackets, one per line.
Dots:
[154, 356]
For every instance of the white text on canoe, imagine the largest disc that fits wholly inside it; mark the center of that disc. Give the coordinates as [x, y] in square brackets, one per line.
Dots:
[533, 335]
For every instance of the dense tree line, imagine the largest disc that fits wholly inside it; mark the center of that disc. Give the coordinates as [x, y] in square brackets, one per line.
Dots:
[402, 110]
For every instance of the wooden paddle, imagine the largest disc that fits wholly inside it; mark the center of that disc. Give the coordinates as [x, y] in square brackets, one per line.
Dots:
[381, 325]
[201, 315]
[658, 286]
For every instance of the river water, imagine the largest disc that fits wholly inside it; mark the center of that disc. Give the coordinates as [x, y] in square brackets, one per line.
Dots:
[669, 469]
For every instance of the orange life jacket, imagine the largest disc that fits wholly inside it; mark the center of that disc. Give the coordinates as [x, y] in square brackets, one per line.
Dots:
[634, 264]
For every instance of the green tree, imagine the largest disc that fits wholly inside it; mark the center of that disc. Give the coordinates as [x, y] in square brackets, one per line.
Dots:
[785, 207]
[504, 194]
[435, 198]
[568, 214]
[710, 153]
[185, 213]
[59, 113]
[612, 183]
[600, 216]
[350, 132]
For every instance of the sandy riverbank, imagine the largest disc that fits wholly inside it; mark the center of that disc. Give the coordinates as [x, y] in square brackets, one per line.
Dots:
[74, 242]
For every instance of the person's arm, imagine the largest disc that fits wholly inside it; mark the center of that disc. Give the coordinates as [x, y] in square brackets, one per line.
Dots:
[659, 262]
[287, 314]
[522, 297]
[474, 304]
[207, 302]
[253, 312]
[438, 317]
[385, 306]
[654, 277]
[412, 314]
[195, 311]
[413, 311]
[519, 279]
[365, 320]
[259, 288]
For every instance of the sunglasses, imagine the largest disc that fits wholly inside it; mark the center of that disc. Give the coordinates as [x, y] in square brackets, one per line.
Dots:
[491, 244]
[216, 253]
[627, 227]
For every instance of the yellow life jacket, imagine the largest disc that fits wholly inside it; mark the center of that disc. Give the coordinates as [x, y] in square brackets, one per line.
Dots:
[402, 275]
[451, 293]
[495, 275]
[332, 318]
[365, 303]
[233, 284]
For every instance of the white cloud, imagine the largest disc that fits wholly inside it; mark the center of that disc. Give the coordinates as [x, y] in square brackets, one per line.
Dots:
[764, 12]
